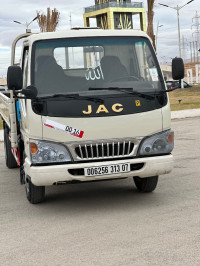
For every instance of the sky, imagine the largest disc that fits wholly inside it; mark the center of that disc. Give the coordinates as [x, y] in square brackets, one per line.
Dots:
[167, 42]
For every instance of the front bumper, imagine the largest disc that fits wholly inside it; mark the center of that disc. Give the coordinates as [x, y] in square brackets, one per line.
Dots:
[53, 174]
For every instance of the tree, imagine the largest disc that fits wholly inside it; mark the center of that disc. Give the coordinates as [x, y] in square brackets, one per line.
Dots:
[48, 22]
[150, 15]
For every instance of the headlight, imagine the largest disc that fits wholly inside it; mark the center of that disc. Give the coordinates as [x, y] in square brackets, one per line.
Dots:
[160, 143]
[48, 152]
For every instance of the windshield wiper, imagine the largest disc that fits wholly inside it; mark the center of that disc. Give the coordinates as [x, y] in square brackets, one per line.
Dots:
[71, 96]
[126, 90]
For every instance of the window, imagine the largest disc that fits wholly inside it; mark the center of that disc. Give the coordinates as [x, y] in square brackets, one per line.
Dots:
[78, 57]
[25, 66]
[78, 64]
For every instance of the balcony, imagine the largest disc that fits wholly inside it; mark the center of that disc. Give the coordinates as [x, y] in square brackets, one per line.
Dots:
[113, 4]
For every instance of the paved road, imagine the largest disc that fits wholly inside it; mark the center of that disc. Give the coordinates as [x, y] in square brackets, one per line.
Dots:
[108, 223]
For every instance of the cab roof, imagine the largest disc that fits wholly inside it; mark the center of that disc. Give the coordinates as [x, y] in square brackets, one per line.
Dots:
[83, 33]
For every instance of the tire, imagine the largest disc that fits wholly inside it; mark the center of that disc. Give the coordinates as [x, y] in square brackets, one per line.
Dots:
[34, 194]
[147, 184]
[22, 175]
[9, 158]
[22, 172]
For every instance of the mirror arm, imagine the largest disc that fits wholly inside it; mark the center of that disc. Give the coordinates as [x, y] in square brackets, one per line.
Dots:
[29, 93]
[15, 92]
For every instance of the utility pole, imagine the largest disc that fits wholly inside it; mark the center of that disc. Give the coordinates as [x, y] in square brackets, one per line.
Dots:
[177, 8]
[184, 44]
[26, 24]
[191, 51]
[194, 51]
[158, 26]
[196, 25]
[179, 33]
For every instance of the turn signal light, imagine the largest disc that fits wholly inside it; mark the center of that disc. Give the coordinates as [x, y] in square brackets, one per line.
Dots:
[171, 137]
[33, 147]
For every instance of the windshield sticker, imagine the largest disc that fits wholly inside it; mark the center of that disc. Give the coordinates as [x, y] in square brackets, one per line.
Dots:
[154, 74]
[64, 128]
[94, 73]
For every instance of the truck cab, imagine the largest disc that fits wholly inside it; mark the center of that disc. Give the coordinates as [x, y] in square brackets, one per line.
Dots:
[90, 105]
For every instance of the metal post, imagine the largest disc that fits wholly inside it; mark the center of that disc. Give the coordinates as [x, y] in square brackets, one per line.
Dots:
[179, 34]
[191, 51]
[194, 52]
[158, 26]
[157, 34]
[196, 49]
[177, 8]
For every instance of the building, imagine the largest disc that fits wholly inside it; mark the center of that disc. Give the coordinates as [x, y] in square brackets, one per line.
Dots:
[167, 71]
[115, 14]
[192, 72]
[3, 82]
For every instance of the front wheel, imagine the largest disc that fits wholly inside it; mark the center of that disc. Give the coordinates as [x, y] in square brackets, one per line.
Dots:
[147, 184]
[34, 194]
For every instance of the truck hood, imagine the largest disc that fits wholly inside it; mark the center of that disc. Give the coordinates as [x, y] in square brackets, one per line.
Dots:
[62, 129]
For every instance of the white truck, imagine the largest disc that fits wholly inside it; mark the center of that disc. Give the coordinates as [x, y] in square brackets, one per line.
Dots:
[87, 105]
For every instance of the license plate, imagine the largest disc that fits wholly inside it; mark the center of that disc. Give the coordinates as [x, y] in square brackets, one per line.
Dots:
[107, 169]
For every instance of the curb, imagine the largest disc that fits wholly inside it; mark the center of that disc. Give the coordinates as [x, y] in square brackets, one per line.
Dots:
[185, 114]
[174, 115]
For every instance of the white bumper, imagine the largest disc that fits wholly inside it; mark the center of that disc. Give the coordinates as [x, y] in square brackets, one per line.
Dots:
[49, 175]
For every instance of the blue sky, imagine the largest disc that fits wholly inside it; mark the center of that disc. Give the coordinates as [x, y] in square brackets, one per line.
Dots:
[25, 11]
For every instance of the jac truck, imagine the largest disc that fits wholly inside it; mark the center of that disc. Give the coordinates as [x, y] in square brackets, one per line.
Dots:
[87, 105]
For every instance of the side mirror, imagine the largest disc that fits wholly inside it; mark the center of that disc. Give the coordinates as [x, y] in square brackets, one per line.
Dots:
[177, 68]
[30, 92]
[14, 78]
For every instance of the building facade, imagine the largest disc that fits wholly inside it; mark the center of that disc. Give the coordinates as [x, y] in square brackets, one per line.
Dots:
[115, 14]
[192, 72]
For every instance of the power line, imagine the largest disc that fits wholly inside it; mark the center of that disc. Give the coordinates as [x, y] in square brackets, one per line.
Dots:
[182, 25]
[196, 25]
[184, 47]
[178, 8]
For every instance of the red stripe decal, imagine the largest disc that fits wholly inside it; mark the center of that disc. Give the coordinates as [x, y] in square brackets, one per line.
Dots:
[64, 128]
[81, 134]
[48, 125]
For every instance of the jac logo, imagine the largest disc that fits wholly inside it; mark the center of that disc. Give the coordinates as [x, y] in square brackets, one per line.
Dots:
[117, 108]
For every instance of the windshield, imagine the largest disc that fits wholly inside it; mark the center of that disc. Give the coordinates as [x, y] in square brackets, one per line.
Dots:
[79, 65]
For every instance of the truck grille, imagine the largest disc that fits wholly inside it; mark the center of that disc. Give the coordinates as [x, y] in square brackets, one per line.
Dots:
[104, 150]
